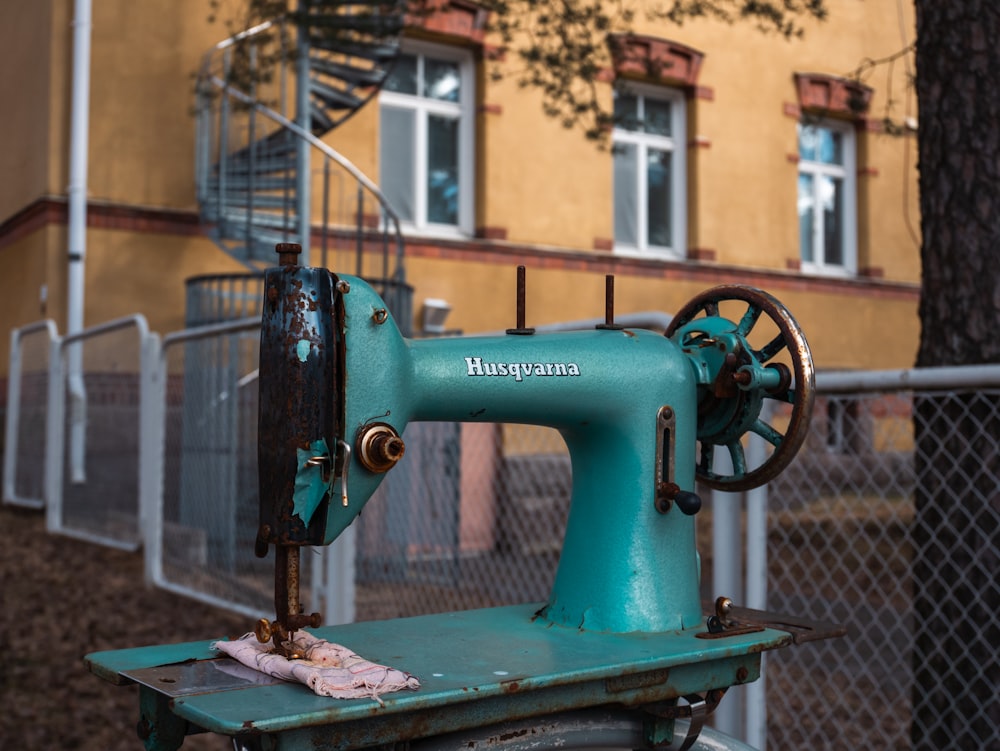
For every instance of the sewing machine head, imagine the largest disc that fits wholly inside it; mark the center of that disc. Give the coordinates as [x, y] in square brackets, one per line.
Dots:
[641, 414]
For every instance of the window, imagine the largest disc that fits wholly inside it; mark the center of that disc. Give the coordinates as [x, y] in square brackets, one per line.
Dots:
[425, 149]
[827, 198]
[649, 172]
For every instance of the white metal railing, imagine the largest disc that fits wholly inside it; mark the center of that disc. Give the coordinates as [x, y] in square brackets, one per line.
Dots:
[15, 422]
[89, 515]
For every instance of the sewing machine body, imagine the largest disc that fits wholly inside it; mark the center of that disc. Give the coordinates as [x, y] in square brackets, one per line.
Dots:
[623, 625]
[623, 400]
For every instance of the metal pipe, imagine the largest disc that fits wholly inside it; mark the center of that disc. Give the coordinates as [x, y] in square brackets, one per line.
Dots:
[303, 179]
[727, 573]
[77, 189]
[966, 376]
[326, 213]
[755, 707]
[359, 259]
[251, 153]
[77, 231]
[223, 166]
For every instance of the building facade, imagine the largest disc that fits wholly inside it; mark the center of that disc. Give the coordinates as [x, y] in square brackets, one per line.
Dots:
[737, 157]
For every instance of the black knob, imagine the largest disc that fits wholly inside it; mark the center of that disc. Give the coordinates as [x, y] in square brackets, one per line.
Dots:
[689, 503]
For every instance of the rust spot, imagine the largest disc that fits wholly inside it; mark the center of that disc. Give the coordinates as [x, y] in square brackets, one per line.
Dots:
[515, 734]
[636, 681]
[511, 687]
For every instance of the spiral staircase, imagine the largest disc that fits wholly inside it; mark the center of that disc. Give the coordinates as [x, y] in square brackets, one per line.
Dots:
[266, 98]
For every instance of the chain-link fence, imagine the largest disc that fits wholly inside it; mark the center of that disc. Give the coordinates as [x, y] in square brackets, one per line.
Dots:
[208, 507]
[473, 517]
[27, 414]
[887, 524]
[93, 459]
[844, 539]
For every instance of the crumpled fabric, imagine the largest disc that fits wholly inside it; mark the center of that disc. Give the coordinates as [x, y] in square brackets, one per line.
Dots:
[328, 669]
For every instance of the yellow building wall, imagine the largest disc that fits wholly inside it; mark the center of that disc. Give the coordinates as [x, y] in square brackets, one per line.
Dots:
[547, 186]
[544, 184]
[127, 269]
[550, 186]
[24, 294]
[144, 56]
[28, 41]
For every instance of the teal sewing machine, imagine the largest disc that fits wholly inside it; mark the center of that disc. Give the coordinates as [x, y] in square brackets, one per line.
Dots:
[622, 641]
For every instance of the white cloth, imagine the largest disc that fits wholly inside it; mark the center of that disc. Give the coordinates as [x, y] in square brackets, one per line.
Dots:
[328, 669]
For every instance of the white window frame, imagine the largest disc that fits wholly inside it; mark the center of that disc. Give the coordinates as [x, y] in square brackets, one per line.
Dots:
[677, 145]
[847, 173]
[463, 111]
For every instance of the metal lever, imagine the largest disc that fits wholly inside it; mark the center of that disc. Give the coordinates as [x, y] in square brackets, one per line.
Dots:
[346, 449]
[689, 503]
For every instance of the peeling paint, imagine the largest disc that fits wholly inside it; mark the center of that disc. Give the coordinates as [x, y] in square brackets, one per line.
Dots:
[302, 349]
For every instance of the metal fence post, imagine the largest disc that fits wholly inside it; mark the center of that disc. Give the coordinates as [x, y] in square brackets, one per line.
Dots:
[727, 575]
[152, 392]
[755, 706]
[336, 587]
[11, 418]
[77, 413]
[55, 419]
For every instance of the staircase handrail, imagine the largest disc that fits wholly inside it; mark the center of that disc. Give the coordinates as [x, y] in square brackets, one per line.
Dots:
[330, 153]
[206, 61]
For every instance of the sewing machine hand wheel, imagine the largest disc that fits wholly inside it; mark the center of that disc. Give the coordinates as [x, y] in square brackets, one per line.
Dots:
[737, 377]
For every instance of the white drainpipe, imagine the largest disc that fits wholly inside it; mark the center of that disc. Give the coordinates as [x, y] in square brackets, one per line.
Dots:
[77, 231]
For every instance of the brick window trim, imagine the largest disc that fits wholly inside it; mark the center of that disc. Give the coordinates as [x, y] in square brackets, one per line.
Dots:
[655, 59]
[823, 94]
[455, 20]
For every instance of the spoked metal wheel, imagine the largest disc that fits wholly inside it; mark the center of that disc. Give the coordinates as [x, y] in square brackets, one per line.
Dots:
[759, 353]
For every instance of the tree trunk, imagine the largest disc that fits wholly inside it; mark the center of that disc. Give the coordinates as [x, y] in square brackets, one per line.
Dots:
[956, 566]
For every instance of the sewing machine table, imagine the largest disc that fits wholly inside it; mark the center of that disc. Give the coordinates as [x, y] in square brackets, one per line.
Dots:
[476, 667]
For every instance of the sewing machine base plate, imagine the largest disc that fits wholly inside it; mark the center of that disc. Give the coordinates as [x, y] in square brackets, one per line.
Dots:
[475, 668]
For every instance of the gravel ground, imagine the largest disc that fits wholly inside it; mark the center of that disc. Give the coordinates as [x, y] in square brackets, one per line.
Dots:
[61, 599]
